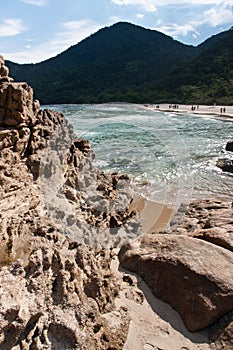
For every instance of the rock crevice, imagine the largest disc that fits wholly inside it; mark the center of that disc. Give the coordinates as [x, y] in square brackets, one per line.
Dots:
[55, 292]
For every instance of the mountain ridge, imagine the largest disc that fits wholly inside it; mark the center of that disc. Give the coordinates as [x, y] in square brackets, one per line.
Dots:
[123, 62]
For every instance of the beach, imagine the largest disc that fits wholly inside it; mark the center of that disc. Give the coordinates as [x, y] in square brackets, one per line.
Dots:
[220, 112]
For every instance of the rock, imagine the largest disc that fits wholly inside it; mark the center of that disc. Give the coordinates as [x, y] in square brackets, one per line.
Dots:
[48, 306]
[216, 235]
[209, 220]
[194, 278]
[225, 339]
[16, 105]
[4, 71]
[229, 146]
[82, 144]
[55, 292]
[225, 164]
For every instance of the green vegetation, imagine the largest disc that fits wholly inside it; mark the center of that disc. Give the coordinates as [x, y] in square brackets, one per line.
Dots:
[128, 63]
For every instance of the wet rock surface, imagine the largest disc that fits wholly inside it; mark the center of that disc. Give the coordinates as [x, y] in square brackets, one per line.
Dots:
[229, 146]
[226, 164]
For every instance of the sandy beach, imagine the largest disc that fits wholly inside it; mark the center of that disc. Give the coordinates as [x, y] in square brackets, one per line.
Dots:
[219, 112]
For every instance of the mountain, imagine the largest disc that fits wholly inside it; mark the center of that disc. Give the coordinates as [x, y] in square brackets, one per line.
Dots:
[112, 64]
[125, 62]
[207, 78]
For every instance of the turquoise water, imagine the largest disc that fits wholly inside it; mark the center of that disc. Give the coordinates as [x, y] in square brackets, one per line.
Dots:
[170, 157]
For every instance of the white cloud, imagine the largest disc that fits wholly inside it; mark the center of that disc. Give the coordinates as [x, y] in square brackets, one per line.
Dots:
[74, 32]
[140, 15]
[39, 3]
[218, 15]
[114, 19]
[176, 29]
[11, 27]
[147, 5]
[151, 5]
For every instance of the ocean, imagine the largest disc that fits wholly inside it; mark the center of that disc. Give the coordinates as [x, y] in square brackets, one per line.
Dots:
[170, 157]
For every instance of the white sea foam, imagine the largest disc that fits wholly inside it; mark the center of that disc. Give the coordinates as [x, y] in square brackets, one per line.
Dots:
[174, 152]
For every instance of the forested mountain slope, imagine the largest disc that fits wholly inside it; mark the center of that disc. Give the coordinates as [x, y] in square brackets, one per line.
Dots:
[128, 63]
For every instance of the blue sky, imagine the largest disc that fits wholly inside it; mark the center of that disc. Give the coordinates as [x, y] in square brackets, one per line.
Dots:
[34, 30]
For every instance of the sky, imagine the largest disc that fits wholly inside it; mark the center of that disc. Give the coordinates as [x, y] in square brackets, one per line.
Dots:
[32, 31]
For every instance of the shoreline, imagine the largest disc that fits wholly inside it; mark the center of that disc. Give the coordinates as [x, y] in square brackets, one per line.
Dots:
[201, 110]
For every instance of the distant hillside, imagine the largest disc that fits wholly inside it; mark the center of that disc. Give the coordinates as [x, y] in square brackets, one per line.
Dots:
[208, 78]
[129, 63]
[112, 64]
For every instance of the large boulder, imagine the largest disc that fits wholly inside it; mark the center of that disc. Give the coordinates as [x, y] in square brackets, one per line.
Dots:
[17, 106]
[193, 276]
[224, 340]
[229, 146]
[225, 164]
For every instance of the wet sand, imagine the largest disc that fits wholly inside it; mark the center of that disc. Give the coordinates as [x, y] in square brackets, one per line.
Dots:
[154, 216]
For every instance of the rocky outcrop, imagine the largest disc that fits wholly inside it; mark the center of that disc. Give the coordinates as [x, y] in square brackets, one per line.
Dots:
[225, 164]
[195, 278]
[55, 291]
[4, 71]
[209, 220]
[224, 339]
[60, 298]
[17, 107]
[229, 146]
